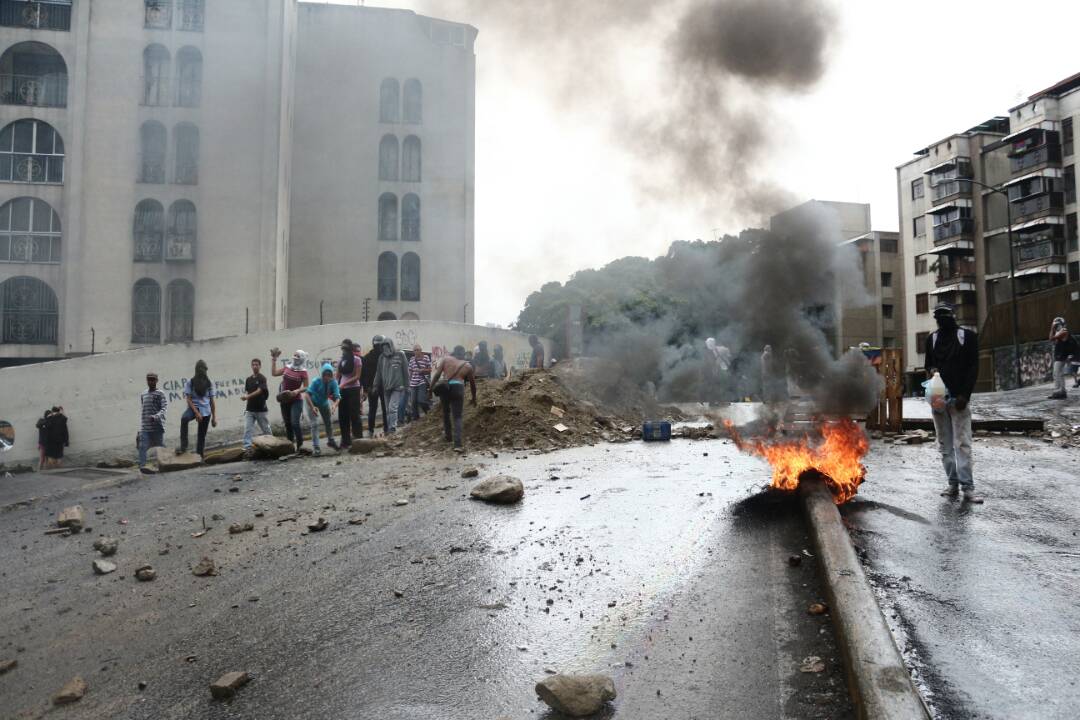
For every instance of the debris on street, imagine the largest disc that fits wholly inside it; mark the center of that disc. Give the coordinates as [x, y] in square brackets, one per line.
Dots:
[104, 567]
[72, 692]
[501, 489]
[576, 695]
[812, 664]
[72, 518]
[318, 526]
[226, 686]
[106, 546]
[204, 568]
[145, 573]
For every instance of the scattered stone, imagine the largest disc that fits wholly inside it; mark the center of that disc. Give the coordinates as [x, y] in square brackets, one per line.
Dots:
[143, 684]
[325, 475]
[401, 502]
[237, 528]
[318, 526]
[501, 489]
[72, 692]
[470, 472]
[817, 609]
[204, 568]
[228, 455]
[106, 546]
[7, 666]
[226, 686]
[356, 521]
[104, 567]
[794, 560]
[169, 461]
[71, 517]
[270, 447]
[557, 411]
[560, 428]
[145, 573]
[812, 664]
[234, 489]
[399, 594]
[576, 695]
[363, 446]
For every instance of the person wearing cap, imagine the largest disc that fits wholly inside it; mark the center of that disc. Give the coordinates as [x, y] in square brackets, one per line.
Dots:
[323, 396]
[455, 370]
[152, 422]
[294, 380]
[953, 352]
[1066, 349]
[349, 371]
[367, 381]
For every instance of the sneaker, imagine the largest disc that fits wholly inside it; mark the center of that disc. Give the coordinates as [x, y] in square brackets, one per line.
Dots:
[333, 443]
[1057, 396]
[951, 492]
[317, 452]
[971, 497]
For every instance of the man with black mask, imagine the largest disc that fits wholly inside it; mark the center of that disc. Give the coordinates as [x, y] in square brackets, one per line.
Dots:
[367, 380]
[953, 352]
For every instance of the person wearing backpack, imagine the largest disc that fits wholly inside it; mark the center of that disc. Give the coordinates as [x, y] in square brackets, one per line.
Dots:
[1066, 350]
[953, 352]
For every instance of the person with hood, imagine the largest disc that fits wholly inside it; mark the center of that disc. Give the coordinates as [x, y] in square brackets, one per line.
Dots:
[367, 381]
[953, 352]
[294, 380]
[349, 372]
[1066, 349]
[499, 369]
[323, 396]
[391, 381]
[454, 370]
[199, 395]
[56, 437]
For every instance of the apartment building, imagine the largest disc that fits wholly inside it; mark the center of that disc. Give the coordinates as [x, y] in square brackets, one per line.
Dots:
[960, 197]
[158, 157]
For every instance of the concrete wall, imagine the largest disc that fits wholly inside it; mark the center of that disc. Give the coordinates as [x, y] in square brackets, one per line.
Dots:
[100, 393]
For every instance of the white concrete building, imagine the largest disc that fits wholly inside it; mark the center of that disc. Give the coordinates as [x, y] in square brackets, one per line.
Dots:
[150, 169]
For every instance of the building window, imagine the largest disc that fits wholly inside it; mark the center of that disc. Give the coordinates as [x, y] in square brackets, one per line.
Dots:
[389, 101]
[887, 312]
[916, 188]
[410, 218]
[410, 159]
[388, 158]
[1067, 136]
[183, 231]
[32, 73]
[1072, 233]
[886, 280]
[187, 154]
[188, 78]
[152, 152]
[29, 232]
[181, 311]
[156, 66]
[31, 151]
[1070, 184]
[920, 342]
[410, 277]
[388, 276]
[146, 313]
[922, 304]
[30, 312]
[149, 231]
[1074, 272]
[918, 225]
[384, 316]
[410, 316]
[158, 14]
[887, 244]
[192, 13]
[388, 217]
[38, 15]
[920, 265]
[414, 102]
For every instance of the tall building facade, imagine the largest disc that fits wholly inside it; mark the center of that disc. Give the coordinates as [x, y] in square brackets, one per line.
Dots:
[956, 201]
[150, 170]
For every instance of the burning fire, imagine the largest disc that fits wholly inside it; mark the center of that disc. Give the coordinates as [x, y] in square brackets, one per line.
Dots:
[836, 456]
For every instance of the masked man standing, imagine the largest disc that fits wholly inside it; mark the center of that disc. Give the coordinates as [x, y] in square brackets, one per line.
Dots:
[391, 381]
[953, 352]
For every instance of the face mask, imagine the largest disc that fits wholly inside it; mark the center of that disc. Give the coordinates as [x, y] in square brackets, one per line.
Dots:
[945, 322]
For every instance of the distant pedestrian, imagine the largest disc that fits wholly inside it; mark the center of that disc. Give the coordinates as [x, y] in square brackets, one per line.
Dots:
[349, 372]
[391, 381]
[323, 396]
[482, 360]
[454, 371]
[255, 413]
[419, 382]
[56, 436]
[41, 438]
[499, 370]
[367, 380]
[152, 404]
[1066, 349]
[537, 359]
[199, 395]
[953, 352]
[294, 380]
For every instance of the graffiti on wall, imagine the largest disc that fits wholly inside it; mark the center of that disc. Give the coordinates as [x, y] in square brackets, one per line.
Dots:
[1036, 365]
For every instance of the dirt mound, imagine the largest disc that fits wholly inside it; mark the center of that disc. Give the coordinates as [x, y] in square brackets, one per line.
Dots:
[539, 409]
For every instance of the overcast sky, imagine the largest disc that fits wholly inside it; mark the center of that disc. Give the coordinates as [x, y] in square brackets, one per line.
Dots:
[557, 190]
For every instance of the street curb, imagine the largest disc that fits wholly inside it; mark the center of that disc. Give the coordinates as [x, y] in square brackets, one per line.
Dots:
[879, 683]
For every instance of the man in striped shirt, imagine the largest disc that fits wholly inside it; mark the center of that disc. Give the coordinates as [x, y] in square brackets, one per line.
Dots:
[152, 425]
[419, 380]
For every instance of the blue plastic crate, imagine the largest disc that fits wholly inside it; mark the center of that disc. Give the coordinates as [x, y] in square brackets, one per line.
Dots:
[656, 431]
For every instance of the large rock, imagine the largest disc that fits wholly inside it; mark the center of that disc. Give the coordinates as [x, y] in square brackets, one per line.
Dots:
[271, 446]
[363, 446]
[72, 517]
[576, 695]
[502, 489]
[228, 455]
[169, 461]
[72, 692]
[226, 686]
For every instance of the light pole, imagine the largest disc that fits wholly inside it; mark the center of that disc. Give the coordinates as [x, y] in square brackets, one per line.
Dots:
[1012, 272]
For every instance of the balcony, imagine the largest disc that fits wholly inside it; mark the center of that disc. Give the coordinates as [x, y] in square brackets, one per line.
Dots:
[953, 230]
[187, 174]
[181, 247]
[191, 15]
[1049, 204]
[47, 15]
[1035, 159]
[956, 271]
[1039, 254]
[34, 90]
[949, 189]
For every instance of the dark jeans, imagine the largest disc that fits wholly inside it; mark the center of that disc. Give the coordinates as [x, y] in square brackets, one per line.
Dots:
[453, 402]
[296, 418]
[349, 415]
[203, 426]
[418, 398]
[286, 418]
[374, 400]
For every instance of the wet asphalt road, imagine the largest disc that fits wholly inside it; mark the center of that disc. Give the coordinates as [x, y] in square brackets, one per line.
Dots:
[984, 598]
[634, 560]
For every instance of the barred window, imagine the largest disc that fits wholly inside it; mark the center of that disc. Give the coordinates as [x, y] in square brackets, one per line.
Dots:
[410, 218]
[414, 102]
[410, 157]
[389, 100]
[33, 73]
[36, 14]
[181, 297]
[146, 312]
[189, 70]
[158, 14]
[187, 154]
[183, 232]
[192, 15]
[29, 232]
[156, 67]
[410, 277]
[388, 276]
[31, 151]
[389, 160]
[149, 231]
[388, 217]
[29, 311]
[152, 144]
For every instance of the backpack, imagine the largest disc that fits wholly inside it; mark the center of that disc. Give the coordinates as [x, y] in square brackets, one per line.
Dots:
[959, 337]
